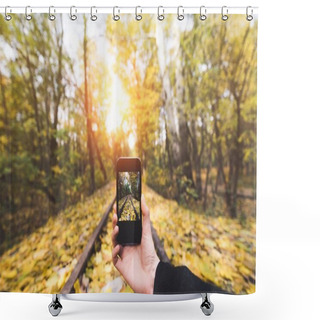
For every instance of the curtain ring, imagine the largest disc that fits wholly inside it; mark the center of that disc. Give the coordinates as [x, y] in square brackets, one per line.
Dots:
[52, 17]
[73, 17]
[203, 15]
[93, 17]
[6, 15]
[28, 16]
[224, 15]
[138, 16]
[180, 16]
[116, 17]
[249, 17]
[160, 16]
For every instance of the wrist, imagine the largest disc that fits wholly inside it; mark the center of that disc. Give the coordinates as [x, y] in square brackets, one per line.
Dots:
[152, 275]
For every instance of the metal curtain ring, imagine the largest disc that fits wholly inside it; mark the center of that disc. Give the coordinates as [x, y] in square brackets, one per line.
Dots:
[160, 16]
[203, 13]
[93, 17]
[6, 15]
[52, 17]
[180, 16]
[249, 17]
[115, 17]
[73, 17]
[224, 15]
[138, 16]
[28, 16]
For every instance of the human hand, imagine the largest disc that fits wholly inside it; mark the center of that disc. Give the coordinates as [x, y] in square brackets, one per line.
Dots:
[137, 264]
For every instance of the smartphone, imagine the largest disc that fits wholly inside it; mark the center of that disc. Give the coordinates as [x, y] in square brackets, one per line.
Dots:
[129, 201]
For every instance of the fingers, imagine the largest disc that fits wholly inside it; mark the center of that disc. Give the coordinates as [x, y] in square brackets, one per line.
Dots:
[115, 255]
[116, 251]
[116, 247]
[114, 220]
[145, 209]
[114, 235]
[146, 223]
[115, 216]
[115, 228]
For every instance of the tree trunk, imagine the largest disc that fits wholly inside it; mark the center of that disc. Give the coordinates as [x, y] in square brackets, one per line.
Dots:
[57, 96]
[185, 160]
[88, 112]
[8, 194]
[168, 151]
[220, 171]
[238, 92]
[172, 130]
[167, 96]
[237, 165]
[99, 157]
[209, 165]
[184, 150]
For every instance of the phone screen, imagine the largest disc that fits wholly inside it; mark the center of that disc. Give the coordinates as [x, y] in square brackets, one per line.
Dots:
[129, 201]
[129, 190]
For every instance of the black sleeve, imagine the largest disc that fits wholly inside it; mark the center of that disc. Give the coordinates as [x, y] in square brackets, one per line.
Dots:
[170, 279]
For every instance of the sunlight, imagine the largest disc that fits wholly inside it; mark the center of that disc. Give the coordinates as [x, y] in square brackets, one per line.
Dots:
[119, 106]
[94, 127]
[113, 119]
[131, 140]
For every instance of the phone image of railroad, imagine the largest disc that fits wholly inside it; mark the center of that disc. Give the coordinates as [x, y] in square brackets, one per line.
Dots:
[129, 196]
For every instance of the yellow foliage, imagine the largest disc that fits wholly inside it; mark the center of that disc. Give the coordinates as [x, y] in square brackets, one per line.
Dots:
[4, 140]
[48, 255]
[9, 274]
[56, 169]
[217, 249]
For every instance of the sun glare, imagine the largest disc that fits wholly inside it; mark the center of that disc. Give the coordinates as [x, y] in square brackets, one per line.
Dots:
[113, 119]
[94, 127]
[131, 140]
[119, 106]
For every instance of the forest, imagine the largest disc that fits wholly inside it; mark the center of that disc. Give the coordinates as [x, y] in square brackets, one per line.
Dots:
[128, 196]
[76, 95]
[129, 184]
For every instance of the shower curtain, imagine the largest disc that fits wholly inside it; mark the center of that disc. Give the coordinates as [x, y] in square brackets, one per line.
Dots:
[78, 94]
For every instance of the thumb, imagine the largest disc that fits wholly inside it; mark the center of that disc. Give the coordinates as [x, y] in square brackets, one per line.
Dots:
[146, 222]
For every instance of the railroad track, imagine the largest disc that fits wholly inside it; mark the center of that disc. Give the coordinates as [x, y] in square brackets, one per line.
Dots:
[80, 267]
